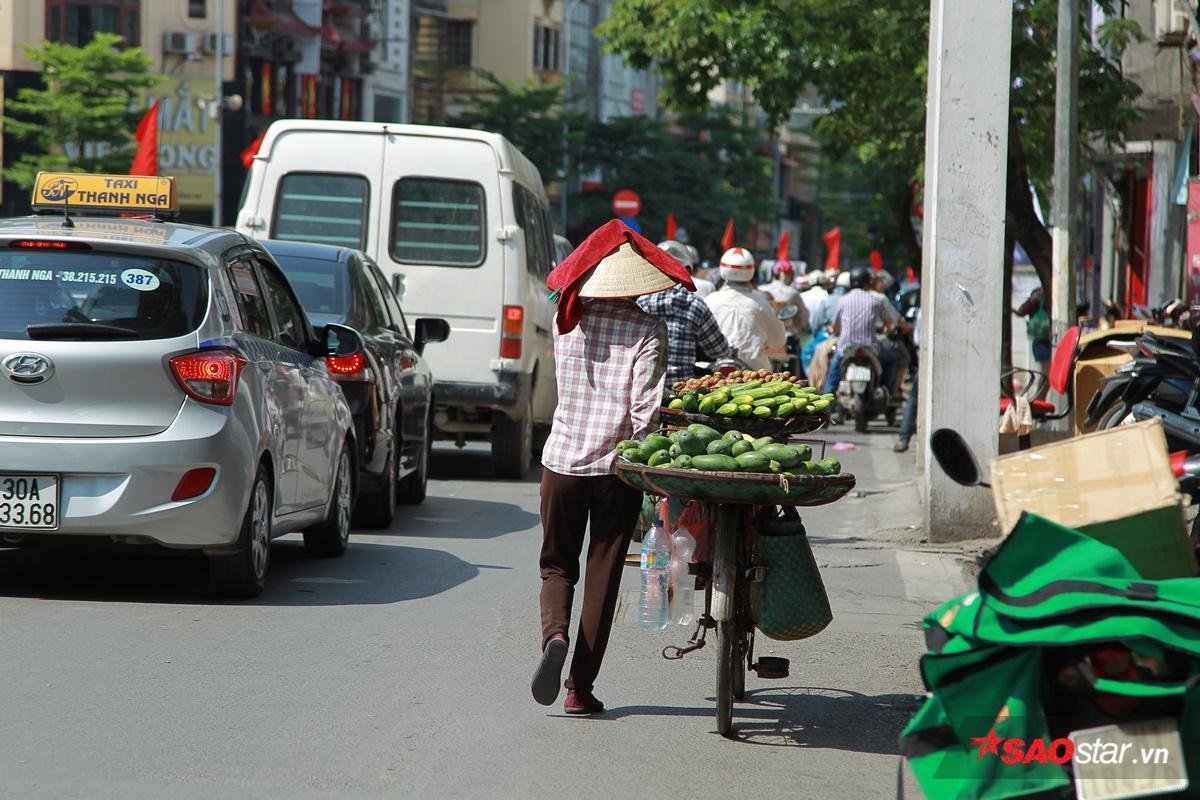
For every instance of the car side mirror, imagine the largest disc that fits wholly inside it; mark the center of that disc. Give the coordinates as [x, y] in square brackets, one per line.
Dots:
[431, 329]
[341, 340]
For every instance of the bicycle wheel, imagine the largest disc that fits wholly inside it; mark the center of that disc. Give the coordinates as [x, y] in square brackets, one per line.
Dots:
[727, 669]
[739, 662]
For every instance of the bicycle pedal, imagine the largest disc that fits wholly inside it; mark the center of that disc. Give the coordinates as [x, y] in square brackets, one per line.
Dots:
[771, 667]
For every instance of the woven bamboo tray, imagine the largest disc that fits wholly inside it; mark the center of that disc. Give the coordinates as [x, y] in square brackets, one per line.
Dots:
[673, 419]
[736, 487]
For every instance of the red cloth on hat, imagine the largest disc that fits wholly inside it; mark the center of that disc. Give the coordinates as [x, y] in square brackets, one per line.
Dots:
[567, 277]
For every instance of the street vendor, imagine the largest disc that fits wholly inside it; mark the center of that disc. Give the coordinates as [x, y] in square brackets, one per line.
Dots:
[610, 358]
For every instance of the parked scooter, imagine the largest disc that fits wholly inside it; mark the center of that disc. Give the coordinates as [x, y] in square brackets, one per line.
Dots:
[1057, 629]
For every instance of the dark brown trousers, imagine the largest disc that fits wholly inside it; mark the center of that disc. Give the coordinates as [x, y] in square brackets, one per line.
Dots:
[568, 503]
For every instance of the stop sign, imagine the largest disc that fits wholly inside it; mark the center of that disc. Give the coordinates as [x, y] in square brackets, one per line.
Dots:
[626, 203]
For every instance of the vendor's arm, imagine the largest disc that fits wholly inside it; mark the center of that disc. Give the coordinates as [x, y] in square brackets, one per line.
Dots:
[649, 376]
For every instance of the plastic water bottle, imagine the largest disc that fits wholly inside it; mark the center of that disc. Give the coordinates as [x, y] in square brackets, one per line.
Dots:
[683, 585]
[656, 564]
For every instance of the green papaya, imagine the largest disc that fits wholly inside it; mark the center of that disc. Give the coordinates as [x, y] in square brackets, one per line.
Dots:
[775, 467]
[753, 462]
[691, 402]
[682, 462]
[732, 436]
[676, 404]
[804, 450]
[704, 433]
[762, 442]
[786, 455]
[674, 452]
[633, 454]
[831, 465]
[659, 459]
[654, 442]
[741, 447]
[715, 463]
[690, 443]
[621, 445]
[721, 447]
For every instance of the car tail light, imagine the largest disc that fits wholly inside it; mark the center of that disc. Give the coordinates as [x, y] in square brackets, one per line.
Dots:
[353, 367]
[194, 483]
[210, 376]
[512, 331]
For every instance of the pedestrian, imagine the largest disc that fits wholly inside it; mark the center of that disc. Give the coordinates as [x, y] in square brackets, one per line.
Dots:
[908, 420]
[1037, 328]
[744, 313]
[691, 327]
[610, 358]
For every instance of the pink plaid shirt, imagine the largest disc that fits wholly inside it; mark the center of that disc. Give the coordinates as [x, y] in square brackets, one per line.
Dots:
[611, 371]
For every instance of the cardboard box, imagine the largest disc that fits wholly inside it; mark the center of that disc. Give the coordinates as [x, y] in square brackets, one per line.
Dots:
[1114, 485]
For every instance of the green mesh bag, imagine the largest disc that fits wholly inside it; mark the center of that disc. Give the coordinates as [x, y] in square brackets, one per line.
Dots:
[789, 602]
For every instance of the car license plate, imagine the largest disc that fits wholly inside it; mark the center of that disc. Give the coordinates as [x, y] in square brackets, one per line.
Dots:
[29, 501]
[1136, 759]
[857, 372]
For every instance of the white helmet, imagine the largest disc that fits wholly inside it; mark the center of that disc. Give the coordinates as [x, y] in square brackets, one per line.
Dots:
[679, 252]
[843, 279]
[737, 265]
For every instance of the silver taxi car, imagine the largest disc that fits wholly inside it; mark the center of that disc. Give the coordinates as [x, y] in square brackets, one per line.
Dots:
[159, 385]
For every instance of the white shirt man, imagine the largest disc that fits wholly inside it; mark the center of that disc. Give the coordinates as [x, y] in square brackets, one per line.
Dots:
[744, 314]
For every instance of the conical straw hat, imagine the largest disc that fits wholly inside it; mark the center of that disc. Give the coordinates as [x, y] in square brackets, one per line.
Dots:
[624, 273]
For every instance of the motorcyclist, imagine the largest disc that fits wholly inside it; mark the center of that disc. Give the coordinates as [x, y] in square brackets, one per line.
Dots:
[814, 295]
[744, 313]
[858, 314]
[783, 291]
[828, 309]
[691, 327]
[880, 283]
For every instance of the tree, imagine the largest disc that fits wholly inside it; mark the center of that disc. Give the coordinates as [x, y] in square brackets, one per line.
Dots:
[82, 120]
[704, 171]
[869, 62]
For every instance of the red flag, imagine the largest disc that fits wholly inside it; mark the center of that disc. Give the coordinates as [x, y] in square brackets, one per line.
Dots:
[252, 150]
[727, 236]
[876, 259]
[145, 160]
[781, 252]
[833, 241]
[671, 225]
[911, 275]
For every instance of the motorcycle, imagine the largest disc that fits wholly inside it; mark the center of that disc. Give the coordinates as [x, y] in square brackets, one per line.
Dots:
[860, 390]
[1083, 670]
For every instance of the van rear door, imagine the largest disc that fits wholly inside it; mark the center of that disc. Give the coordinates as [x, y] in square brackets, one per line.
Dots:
[442, 204]
[320, 186]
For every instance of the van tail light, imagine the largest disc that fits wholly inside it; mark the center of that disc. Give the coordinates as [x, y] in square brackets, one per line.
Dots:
[350, 368]
[194, 483]
[209, 376]
[512, 331]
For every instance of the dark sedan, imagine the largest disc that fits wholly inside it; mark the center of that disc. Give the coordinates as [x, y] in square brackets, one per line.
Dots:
[389, 386]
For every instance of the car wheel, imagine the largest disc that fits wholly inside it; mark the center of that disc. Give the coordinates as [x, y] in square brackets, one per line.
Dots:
[512, 444]
[244, 573]
[412, 489]
[331, 537]
[377, 509]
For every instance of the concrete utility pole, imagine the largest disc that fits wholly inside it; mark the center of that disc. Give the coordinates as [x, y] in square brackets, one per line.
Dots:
[966, 159]
[218, 110]
[1066, 177]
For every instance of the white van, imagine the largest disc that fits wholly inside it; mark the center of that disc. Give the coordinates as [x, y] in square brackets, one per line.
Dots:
[459, 221]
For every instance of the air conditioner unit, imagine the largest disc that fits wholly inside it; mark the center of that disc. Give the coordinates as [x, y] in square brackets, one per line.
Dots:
[210, 44]
[180, 42]
[1173, 21]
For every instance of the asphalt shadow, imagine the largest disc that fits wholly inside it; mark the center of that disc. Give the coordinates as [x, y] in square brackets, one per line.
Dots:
[807, 717]
[471, 463]
[368, 574]
[442, 517]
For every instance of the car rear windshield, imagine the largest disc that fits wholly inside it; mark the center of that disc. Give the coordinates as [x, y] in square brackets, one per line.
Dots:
[322, 207]
[149, 298]
[320, 284]
[438, 222]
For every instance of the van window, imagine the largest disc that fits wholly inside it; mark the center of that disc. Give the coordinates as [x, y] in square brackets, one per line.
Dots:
[322, 207]
[438, 222]
[532, 217]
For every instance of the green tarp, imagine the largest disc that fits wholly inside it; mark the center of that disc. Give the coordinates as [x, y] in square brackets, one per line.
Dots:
[1047, 587]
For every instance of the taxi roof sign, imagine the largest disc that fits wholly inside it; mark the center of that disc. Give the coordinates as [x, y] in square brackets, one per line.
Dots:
[128, 194]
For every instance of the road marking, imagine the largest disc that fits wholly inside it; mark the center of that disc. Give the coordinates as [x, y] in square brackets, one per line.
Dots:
[930, 577]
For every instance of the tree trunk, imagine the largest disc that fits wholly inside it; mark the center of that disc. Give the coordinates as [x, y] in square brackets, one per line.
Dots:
[1006, 316]
[1020, 217]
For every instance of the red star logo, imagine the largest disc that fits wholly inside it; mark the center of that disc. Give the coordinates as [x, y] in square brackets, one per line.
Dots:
[987, 744]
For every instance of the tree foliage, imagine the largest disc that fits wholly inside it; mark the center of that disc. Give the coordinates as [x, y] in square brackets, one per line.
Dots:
[704, 170]
[81, 120]
[869, 62]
